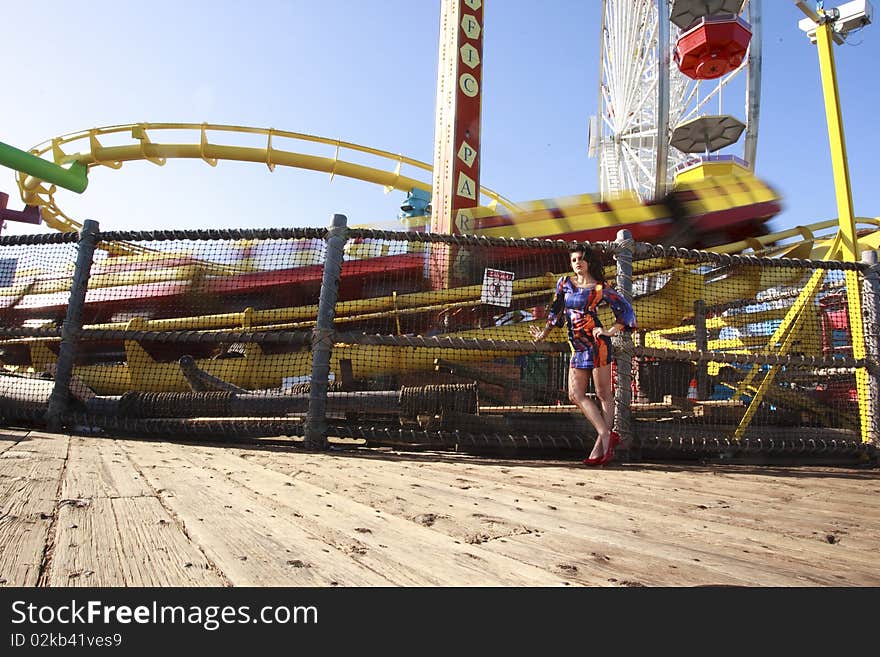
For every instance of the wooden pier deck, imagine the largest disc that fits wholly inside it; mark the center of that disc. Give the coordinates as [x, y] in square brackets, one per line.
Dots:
[89, 511]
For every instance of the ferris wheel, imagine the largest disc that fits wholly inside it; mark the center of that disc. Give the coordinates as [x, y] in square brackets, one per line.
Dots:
[669, 70]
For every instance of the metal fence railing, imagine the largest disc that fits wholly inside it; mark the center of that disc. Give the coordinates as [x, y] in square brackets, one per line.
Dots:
[405, 338]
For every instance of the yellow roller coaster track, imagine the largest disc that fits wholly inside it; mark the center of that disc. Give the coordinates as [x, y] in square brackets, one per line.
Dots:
[85, 147]
[90, 151]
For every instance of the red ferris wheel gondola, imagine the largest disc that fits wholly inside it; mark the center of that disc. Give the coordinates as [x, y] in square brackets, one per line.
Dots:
[713, 46]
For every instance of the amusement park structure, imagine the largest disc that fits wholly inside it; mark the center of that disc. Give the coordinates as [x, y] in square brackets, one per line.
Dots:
[665, 87]
[665, 65]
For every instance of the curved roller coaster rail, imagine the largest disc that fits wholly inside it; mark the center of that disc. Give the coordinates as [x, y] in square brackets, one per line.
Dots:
[85, 148]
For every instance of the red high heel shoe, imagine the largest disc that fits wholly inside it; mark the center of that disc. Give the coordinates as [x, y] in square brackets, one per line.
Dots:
[608, 456]
[613, 441]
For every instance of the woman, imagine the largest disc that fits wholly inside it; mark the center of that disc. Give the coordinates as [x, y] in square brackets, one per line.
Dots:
[577, 298]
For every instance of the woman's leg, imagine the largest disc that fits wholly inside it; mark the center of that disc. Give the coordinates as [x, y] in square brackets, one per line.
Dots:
[577, 393]
[602, 383]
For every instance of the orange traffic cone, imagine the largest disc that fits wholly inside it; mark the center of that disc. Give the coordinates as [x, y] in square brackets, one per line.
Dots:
[692, 390]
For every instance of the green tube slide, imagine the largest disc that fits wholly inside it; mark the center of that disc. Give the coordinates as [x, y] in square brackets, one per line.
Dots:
[75, 178]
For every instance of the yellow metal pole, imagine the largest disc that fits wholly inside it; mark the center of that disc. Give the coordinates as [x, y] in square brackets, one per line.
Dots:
[839, 163]
[781, 342]
[846, 216]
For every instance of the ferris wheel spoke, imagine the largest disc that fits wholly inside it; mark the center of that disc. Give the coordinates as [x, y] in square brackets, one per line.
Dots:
[647, 62]
[626, 67]
[629, 84]
[641, 135]
[636, 160]
[635, 66]
[630, 177]
[622, 36]
[692, 88]
[713, 93]
[608, 123]
[609, 104]
[647, 98]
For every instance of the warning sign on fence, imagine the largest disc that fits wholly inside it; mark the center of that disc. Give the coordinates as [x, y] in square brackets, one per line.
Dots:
[497, 287]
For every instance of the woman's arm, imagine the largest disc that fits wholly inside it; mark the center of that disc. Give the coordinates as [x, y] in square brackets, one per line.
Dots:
[555, 314]
[624, 315]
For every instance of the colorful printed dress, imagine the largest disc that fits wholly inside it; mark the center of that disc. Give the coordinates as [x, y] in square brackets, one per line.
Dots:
[578, 306]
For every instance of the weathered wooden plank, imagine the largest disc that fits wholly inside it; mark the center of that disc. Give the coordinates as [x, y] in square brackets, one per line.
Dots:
[769, 552]
[579, 546]
[29, 480]
[774, 523]
[847, 490]
[767, 482]
[406, 552]
[771, 525]
[9, 438]
[98, 467]
[44, 444]
[248, 540]
[817, 494]
[596, 563]
[126, 512]
[577, 534]
[130, 541]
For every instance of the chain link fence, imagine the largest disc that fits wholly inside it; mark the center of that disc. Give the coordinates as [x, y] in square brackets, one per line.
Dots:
[419, 340]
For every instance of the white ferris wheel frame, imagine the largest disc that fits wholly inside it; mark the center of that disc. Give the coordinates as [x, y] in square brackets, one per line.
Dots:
[655, 98]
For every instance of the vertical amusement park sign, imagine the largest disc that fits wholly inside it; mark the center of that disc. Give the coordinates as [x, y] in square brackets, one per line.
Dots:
[457, 137]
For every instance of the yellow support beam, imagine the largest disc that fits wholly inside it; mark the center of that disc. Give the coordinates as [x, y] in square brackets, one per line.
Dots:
[846, 215]
[846, 242]
[781, 342]
[839, 163]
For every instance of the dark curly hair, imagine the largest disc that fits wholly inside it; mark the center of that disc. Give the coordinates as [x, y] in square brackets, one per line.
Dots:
[594, 261]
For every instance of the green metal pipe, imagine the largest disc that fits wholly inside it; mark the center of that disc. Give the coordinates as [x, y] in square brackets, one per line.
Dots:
[75, 178]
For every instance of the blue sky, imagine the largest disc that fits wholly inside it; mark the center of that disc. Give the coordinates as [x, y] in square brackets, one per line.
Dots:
[365, 71]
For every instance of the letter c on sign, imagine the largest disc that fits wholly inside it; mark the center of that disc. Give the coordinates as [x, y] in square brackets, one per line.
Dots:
[469, 85]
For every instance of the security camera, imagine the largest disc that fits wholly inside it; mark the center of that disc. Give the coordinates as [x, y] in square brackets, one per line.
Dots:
[853, 15]
[844, 19]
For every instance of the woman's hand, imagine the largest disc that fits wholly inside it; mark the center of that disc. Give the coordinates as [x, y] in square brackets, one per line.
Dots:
[599, 331]
[537, 333]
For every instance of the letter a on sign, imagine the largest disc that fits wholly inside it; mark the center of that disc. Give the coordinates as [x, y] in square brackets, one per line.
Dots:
[466, 186]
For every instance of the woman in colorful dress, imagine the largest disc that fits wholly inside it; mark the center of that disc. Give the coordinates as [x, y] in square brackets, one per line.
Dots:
[575, 303]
